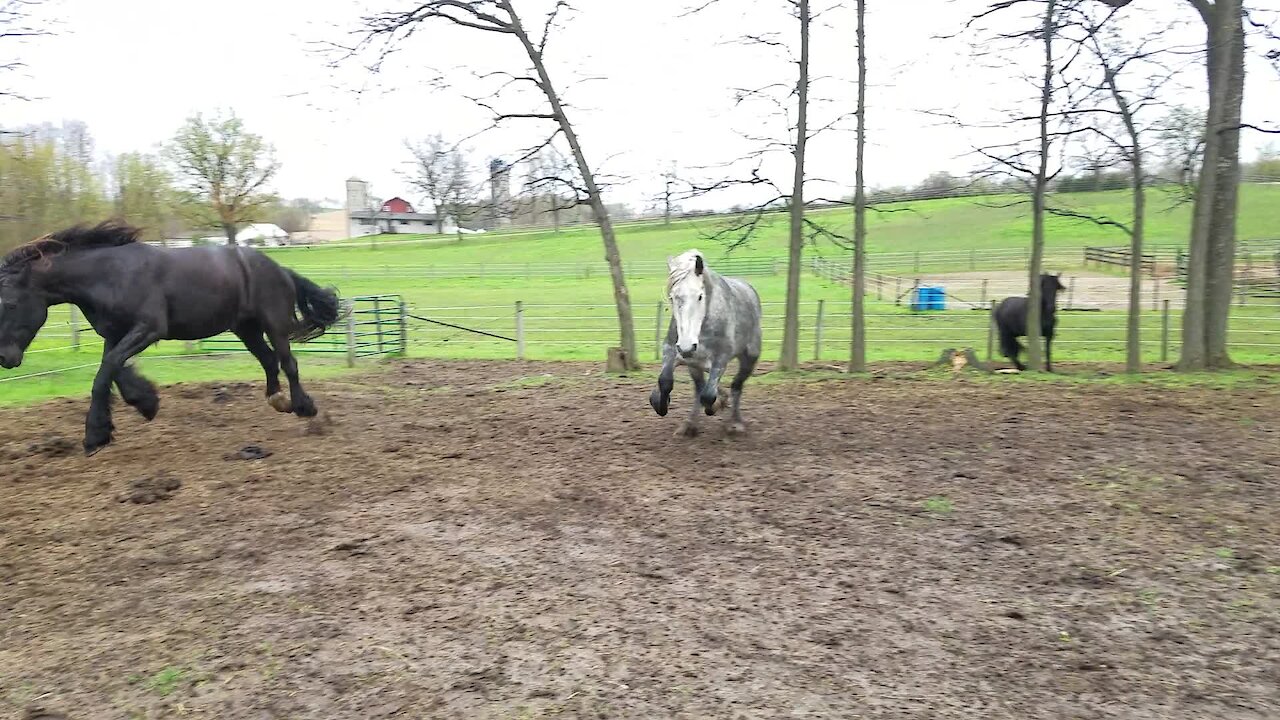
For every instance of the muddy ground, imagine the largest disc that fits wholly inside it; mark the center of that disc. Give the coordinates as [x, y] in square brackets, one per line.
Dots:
[525, 541]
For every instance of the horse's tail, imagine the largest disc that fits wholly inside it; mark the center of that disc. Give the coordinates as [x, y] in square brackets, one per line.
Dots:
[319, 307]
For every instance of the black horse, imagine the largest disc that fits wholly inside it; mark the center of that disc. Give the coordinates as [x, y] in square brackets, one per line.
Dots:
[1011, 321]
[134, 295]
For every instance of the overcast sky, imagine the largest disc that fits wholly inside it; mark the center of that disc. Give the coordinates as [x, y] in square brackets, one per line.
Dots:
[134, 69]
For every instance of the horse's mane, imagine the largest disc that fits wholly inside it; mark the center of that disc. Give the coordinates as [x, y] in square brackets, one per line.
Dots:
[111, 233]
[682, 266]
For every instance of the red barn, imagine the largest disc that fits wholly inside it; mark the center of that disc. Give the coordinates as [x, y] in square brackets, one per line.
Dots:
[397, 205]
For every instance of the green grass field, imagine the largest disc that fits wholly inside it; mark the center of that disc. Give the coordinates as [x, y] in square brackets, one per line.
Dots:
[572, 317]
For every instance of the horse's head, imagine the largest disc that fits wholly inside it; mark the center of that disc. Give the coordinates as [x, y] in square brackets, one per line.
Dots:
[23, 310]
[686, 289]
[1050, 285]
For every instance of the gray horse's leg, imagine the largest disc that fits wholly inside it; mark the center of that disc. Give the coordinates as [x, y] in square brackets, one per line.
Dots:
[746, 365]
[660, 398]
[710, 394]
[689, 427]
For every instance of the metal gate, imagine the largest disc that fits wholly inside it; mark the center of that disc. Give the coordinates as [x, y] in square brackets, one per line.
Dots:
[368, 325]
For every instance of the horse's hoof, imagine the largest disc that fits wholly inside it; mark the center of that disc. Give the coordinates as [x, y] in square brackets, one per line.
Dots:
[280, 402]
[737, 429]
[305, 408]
[93, 447]
[659, 402]
[148, 408]
[687, 429]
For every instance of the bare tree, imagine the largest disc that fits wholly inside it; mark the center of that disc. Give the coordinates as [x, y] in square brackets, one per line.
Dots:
[500, 17]
[858, 349]
[17, 26]
[1211, 254]
[225, 170]
[1180, 143]
[791, 102]
[795, 244]
[666, 199]
[552, 184]
[442, 174]
[1114, 58]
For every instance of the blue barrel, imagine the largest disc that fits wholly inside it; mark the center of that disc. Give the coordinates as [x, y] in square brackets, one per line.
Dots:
[929, 297]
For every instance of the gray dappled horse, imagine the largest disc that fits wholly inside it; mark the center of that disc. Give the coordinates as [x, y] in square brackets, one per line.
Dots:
[714, 319]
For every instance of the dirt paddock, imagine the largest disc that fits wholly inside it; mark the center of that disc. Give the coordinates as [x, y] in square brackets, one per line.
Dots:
[502, 540]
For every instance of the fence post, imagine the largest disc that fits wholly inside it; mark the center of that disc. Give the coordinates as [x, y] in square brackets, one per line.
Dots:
[519, 330]
[377, 321]
[75, 329]
[879, 286]
[404, 329]
[351, 336]
[817, 332]
[897, 291]
[1164, 332]
[1071, 293]
[983, 300]
[917, 260]
[1155, 293]
[657, 333]
[973, 263]
[991, 331]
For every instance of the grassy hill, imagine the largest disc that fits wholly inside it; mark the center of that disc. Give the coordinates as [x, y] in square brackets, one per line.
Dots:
[930, 225]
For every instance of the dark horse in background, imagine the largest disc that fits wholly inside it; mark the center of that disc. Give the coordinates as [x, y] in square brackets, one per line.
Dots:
[134, 295]
[1011, 321]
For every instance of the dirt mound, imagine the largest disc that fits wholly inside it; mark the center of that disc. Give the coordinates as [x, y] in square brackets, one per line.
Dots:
[150, 490]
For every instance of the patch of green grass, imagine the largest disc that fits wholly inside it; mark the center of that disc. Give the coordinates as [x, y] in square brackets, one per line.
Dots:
[1149, 598]
[530, 382]
[939, 505]
[1225, 553]
[166, 681]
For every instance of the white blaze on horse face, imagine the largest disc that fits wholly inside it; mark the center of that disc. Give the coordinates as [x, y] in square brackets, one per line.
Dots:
[688, 307]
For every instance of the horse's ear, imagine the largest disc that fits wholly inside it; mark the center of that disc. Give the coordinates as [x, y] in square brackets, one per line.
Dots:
[697, 265]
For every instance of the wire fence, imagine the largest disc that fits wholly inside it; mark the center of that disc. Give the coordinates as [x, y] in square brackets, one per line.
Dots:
[555, 331]
[385, 325]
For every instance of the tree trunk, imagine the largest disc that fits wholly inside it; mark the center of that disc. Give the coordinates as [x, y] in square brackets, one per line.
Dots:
[1034, 310]
[858, 351]
[620, 296]
[1211, 255]
[790, 359]
[555, 213]
[1133, 327]
[229, 229]
[1221, 249]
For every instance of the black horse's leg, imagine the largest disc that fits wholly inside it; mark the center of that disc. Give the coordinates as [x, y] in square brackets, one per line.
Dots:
[660, 398]
[138, 392]
[746, 365]
[1048, 352]
[251, 335]
[689, 427]
[98, 426]
[303, 405]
